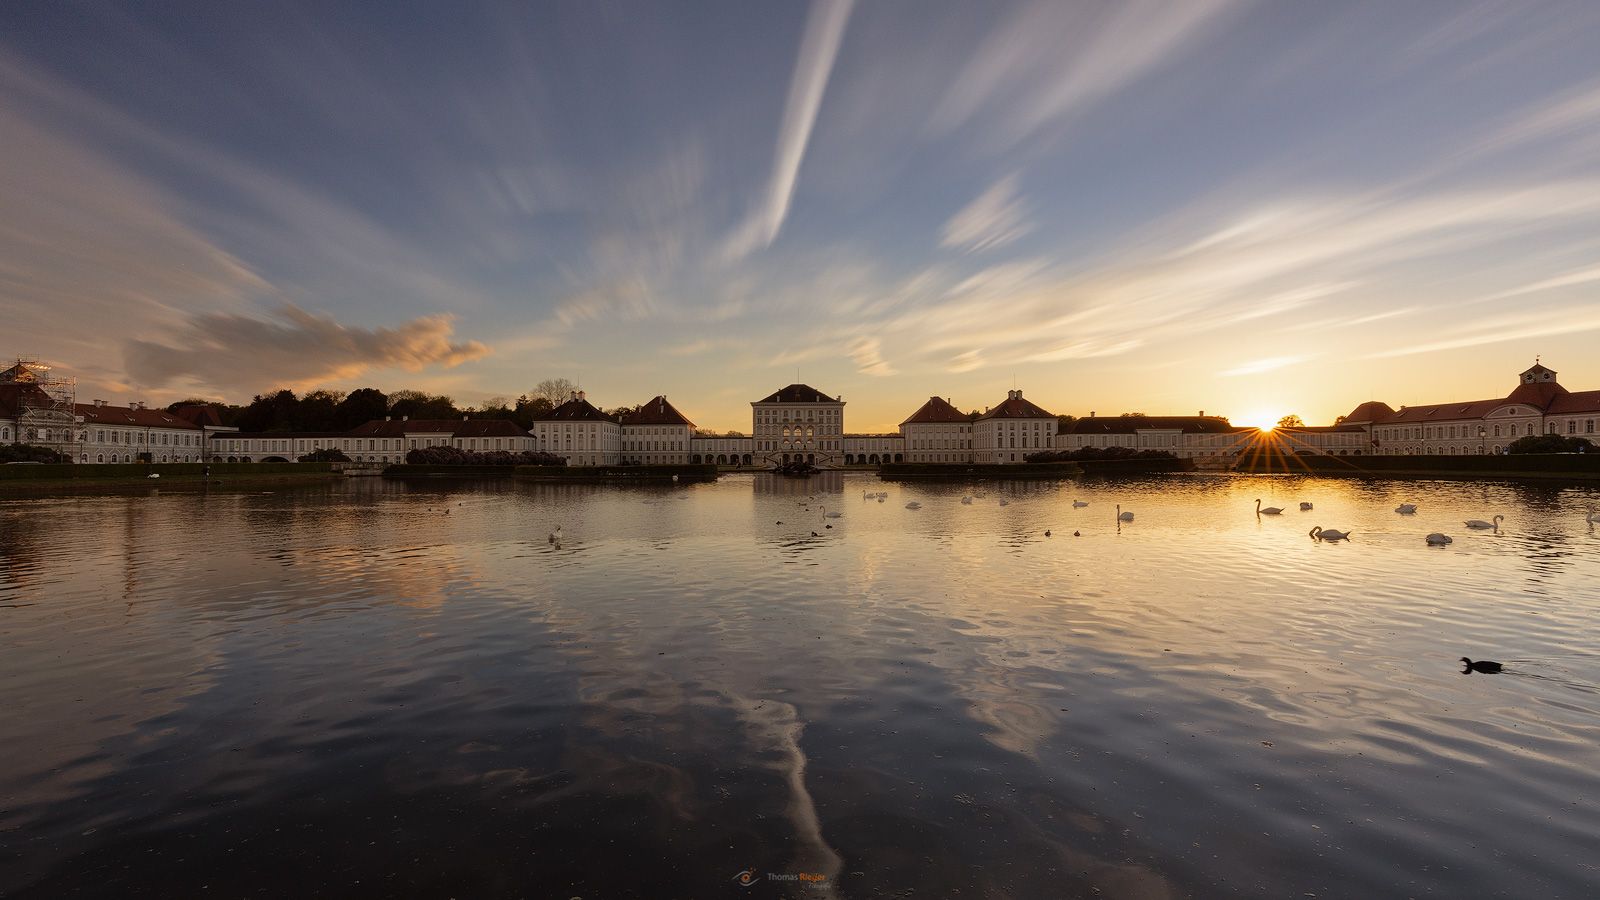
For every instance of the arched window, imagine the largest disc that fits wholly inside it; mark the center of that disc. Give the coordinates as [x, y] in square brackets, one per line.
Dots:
[100, 457]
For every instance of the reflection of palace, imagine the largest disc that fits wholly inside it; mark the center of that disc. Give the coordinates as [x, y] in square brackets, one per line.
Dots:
[797, 422]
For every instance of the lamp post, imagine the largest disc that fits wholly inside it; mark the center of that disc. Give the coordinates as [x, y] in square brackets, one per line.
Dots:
[1481, 446]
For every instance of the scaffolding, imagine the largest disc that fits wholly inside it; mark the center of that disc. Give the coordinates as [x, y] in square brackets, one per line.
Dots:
[46, 406]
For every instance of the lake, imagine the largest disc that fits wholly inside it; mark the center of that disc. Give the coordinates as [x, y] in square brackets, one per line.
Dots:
[406, 689]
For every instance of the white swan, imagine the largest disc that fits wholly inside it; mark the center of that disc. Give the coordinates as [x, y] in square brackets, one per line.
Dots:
[966, 501]
[1123, 516]
[1304, 506]
[1406, 508]
[1079, 504]
[1328, 534]
[154, 475]
[830, 515]
[1479, 523]
[1593, 517]
[913, 505]
[1269, 511]
[555, 536]
[1437, 540]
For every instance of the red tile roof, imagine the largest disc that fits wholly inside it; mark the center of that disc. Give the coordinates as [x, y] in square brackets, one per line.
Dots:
[1538, 393]
[575, 410]
[201, 414]
[1443, 412]
[452, 427]
[1015, 407]
[1576, 402]
[1370, 411]
[657, 412]
[128, 416]
[798, 393]
[937, 410]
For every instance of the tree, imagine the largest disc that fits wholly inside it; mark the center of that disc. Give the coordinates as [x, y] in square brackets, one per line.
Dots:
[277, 411]
[359, 407]
[1134, 415]
[555, 390]
[528, 409]
[422, 405]
[1551, 443]
[1064, 423]
[318, 411]
[10, 453]
[1291, 421]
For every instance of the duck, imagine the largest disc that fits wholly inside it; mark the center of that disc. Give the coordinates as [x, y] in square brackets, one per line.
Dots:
[1479, 523]
[1328, 534]
[1047, 532]
[1269, 511]
[814, 534]
[1437, 539]
[1123, 516]
[1079, 504]
[1077, 534]
[1406, 508]
[1305, 507]
[1486, 666]
[966, 501]
[1005, 502]
[555, 536]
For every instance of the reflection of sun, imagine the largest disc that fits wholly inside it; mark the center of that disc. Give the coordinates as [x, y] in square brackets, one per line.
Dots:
[1262, 420]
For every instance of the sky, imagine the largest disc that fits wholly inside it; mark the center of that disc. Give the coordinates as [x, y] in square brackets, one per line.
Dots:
[1250, 208]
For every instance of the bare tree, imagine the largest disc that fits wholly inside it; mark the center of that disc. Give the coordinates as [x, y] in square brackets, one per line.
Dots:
[555, 390]
[1291, 421]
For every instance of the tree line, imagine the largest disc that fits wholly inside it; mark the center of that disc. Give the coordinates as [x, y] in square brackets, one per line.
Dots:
[336, 411]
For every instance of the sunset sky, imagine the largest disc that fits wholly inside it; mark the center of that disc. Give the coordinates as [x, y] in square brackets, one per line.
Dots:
[1251, 208]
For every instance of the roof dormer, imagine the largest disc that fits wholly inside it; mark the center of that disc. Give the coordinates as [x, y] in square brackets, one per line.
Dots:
[1538, 374]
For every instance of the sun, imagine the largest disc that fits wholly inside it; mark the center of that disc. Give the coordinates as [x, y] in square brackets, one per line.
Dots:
[1263, 420]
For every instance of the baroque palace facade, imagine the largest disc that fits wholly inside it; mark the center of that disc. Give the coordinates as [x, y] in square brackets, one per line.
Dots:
[795, 423]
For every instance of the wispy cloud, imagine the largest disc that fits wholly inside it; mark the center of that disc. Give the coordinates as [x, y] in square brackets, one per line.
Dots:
[1256, 367]
[1048, 60]
[996, 218]
[868, 356]
[297, 348]
[818, 47]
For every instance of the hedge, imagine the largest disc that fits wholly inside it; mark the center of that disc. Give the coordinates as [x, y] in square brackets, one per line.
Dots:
[144, 470]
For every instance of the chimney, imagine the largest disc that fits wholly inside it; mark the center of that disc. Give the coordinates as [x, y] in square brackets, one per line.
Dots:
[582, 395]
[1091, 413]
[99, 403]
[1202, 414]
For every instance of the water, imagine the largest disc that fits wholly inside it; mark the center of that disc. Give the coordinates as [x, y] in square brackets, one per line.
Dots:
[405, 689]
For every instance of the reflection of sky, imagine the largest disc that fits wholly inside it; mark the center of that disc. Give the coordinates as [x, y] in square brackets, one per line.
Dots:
[1177, 677]
[1228, 205]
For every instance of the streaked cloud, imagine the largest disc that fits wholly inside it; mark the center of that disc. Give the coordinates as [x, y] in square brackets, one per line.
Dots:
[818, 47]
[868, 356]
[1256, 367]
[295, 348]
[996, 218]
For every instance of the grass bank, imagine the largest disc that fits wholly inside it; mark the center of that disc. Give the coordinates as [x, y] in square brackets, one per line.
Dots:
[1543, 466]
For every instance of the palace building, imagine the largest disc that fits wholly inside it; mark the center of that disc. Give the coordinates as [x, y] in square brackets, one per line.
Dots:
[795, 423]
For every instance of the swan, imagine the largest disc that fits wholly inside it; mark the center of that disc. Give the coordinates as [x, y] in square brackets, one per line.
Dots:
[830, 515]
[154, 475]
[1593, 517]
[882, 497]
[1079, 504]
[1005, 502]
[1437, 539]
[913, 505]
[1304, 506]
[966, 501]
[555, 535]
[1479, 523]
[1123, 516]
[1269, 511]
[1486, 666]
[1328, 534]
[1406, 508]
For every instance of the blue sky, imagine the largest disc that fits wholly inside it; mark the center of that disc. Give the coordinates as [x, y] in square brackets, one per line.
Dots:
[1244, 207]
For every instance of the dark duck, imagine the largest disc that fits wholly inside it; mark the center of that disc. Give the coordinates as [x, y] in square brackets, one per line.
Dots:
[1485, 666]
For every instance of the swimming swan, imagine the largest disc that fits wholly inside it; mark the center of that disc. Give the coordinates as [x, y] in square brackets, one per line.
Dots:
[1269, 511]
[1479, 523]
[1437, 539]
[830, 515]
[1328, 534]
[913, 505]
[1123, 516]
[1406, 508]
[1080, 504]
[1305, 507]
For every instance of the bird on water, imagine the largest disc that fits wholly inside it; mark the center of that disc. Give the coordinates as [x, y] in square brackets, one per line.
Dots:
[1486, 666]
[1269, 511]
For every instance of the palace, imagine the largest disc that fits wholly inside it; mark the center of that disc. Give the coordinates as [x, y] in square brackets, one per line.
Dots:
[794, 423]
